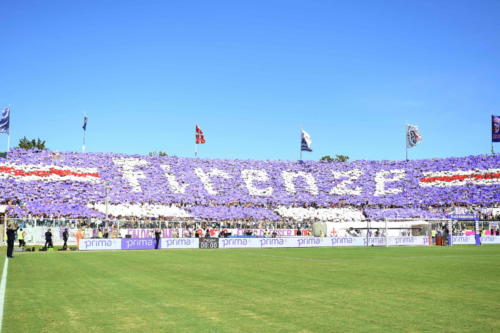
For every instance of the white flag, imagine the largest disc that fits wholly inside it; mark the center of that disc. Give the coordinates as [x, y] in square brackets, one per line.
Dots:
[305, 142]
[413, 136]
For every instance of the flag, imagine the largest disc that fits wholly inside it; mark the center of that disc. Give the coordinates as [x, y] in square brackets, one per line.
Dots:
[305, 142]
[4, 120]
[85, 119]
[200, 138]
[413, 136]
[495, 128]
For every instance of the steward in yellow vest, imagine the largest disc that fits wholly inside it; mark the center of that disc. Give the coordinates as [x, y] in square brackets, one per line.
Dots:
[20, 237]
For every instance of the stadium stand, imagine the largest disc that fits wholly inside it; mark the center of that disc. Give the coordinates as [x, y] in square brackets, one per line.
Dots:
[78, 185]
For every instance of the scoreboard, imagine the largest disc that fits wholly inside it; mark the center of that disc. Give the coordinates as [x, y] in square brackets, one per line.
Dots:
[209, 243]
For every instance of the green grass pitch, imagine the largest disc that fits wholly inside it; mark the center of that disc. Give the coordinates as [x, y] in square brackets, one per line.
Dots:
[426, 289]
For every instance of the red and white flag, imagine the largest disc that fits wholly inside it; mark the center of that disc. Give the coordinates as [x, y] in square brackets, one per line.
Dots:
[200, 138]
[32, 172]
[461, 178]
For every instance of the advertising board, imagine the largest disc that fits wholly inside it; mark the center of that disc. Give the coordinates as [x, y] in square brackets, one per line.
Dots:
[180, 243]
[138, 243]
[397, 241]
[100, 244]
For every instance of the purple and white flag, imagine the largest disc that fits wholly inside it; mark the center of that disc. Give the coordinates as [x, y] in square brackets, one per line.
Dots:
[5, 120]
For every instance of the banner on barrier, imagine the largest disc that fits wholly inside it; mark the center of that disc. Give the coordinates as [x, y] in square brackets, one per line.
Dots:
[189, 232]
[138, 243]
[490, 239]
[234, 243]
[463, 240]
[100, 244]
[228, 243]
[297, 242]
[397, 241]
[289, 242]
[470, 240]
[180, 243]
[321, 242]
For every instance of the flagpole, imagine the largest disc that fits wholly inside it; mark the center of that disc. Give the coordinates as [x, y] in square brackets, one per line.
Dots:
[83, 147]
[84, 130]
[492, 121]
[406, 141]
[8, 134]
[196, 141]
[300, 154]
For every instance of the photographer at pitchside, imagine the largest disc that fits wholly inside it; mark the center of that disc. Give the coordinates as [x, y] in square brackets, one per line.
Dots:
[157, 238]
[11, 236]
[48, 239]
[65, 238]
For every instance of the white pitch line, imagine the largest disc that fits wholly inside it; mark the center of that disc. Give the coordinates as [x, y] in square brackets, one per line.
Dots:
[3, 284]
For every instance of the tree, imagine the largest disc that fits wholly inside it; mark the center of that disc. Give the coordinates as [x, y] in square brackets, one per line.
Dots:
[32, 144]
[160, 153]
[341, 158]
[338, 158]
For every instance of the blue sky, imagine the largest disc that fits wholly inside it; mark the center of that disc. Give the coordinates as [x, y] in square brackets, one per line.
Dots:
[251, 74]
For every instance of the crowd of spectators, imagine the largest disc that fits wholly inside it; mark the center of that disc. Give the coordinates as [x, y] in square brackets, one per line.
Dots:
[140, 189]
